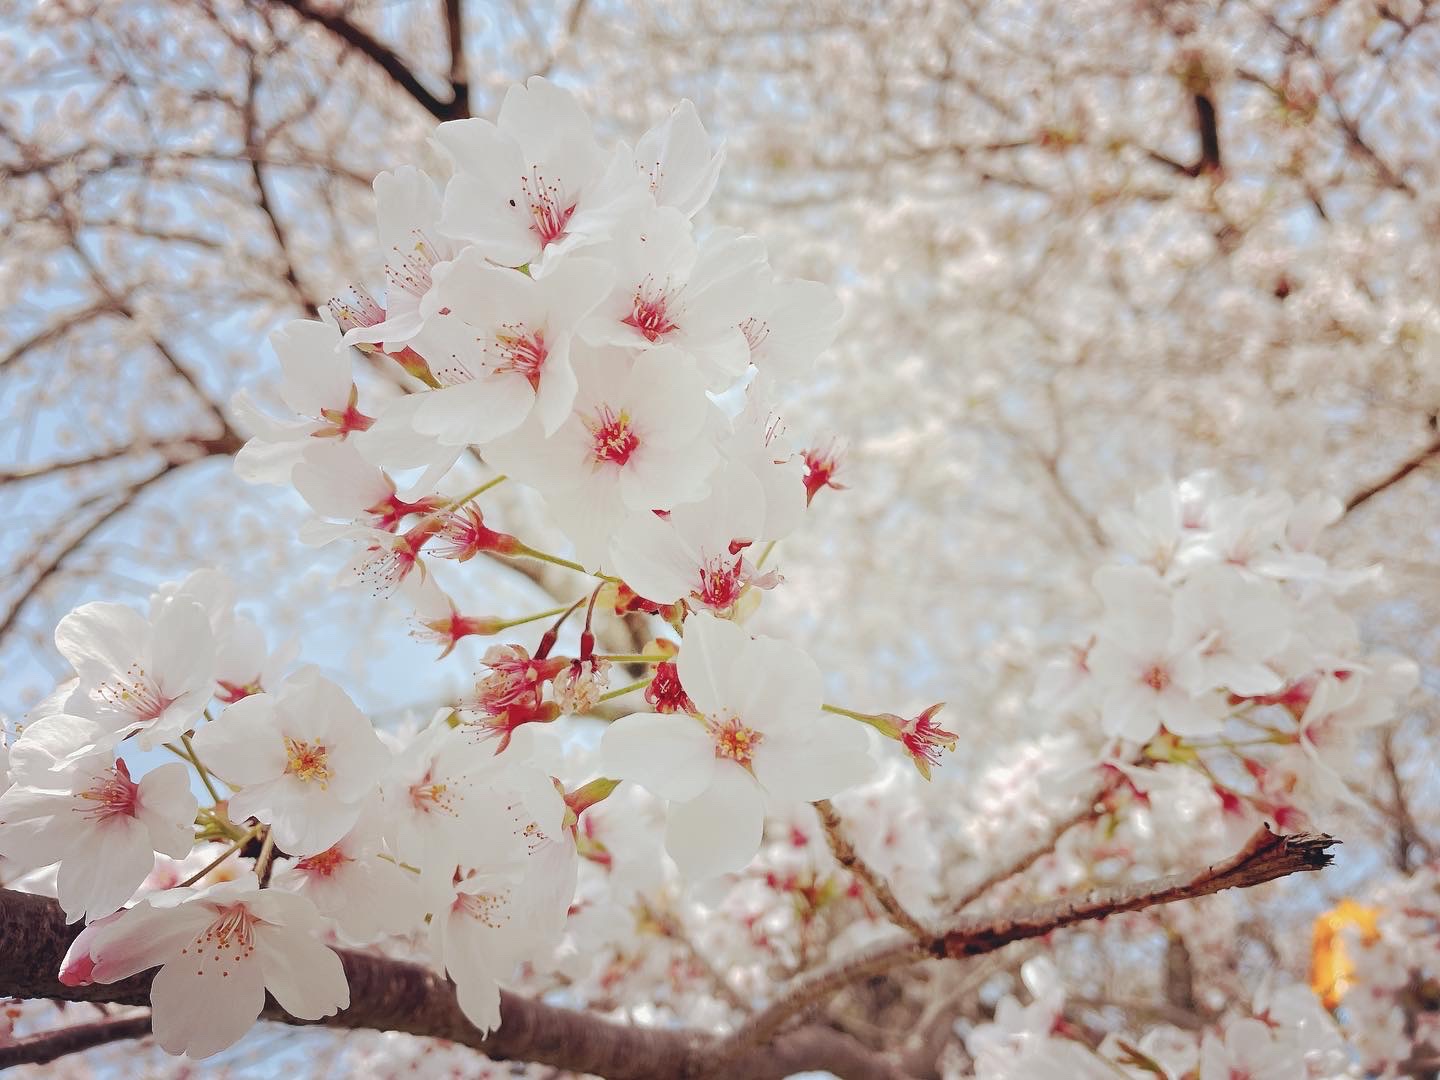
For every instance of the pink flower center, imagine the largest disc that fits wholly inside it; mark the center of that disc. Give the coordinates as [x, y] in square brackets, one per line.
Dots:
[306, 762]
[721, 583]
[430, 796]
[755, 331]
[484, 907]
[733, 740]
[356, 307]
[1157, 679]
[114, 794]
[648, 311]
[324, 864]
[229, 940]
[135, 695]
[550, 207]
[408, 270]
[615, 439]
[522, 352]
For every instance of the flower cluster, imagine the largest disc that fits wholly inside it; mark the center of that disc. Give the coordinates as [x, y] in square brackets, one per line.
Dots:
[1224, 634]
[1289, 1034]
[552, 313]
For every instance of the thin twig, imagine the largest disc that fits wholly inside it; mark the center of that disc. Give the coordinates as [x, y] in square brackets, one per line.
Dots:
[46, 1046]
[846, 855]
[1265, 858]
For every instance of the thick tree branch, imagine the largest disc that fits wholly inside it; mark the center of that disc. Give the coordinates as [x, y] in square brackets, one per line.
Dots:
[393, 995]
[1265, 858]
[384, 57]
[48, 1045]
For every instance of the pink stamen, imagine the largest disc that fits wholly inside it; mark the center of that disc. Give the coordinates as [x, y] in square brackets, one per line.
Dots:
[114, 795]
[615, 439]
[649, 311]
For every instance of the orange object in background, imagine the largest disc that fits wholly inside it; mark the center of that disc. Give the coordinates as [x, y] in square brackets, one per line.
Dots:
[1331, 968]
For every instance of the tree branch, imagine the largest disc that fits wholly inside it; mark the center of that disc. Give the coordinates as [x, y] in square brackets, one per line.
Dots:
[459, 72]
[1265, 858]
[48, 1045]
[1400, 472]
[384, 57]
[51, 563]
[394, 995]
[846, 855]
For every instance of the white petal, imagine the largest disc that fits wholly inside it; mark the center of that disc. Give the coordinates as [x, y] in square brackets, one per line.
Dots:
[814, 758]
[720, 831]
[243, 746]
[304, 975]
[201, 1006]
[101, 640]
[707, 660]
[99, 875]
[671, 755]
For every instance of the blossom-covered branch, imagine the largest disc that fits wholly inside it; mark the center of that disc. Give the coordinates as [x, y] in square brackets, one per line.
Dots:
[1265, 858]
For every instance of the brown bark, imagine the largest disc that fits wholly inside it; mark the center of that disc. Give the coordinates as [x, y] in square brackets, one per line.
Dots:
[394, 995]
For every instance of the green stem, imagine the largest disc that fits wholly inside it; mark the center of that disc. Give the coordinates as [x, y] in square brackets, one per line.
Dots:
[638, 684]
[633, 658]
[508, 623]
[760, 562]
[461, 500]
[200, 767]
[544, 556]
[876, 722]
[526, 551]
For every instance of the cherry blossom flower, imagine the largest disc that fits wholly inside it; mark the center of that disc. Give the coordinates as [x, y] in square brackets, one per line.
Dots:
[636, 442]
[760, 737]
[757, 441]
[670, 291]
[355, 883]
[1249, 1050]
[675, 161]
[822, 466]
[1147, 681]
[407, 212]
[579, 686]
[438, 620]
[220, 950]
[445, 792]
[318, 387]
[1236, 626]
[791, 324]
[90, 816]
[147, 678]
[533, 186]
[245, 665]
[665, 693]
[698, 552]
[489, 917]
[306, 757]
[502, 344]
[337, 482]
[921, 736]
